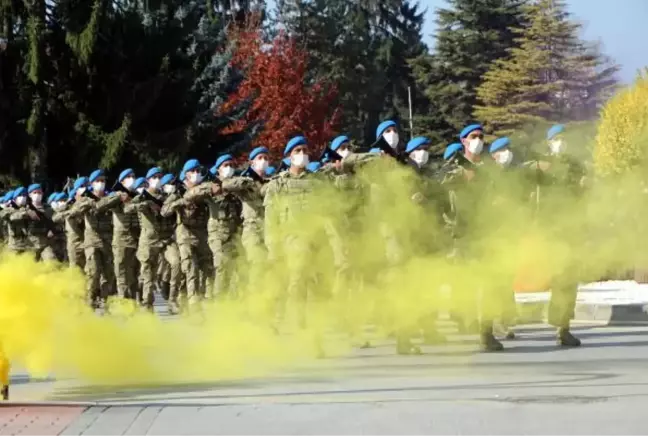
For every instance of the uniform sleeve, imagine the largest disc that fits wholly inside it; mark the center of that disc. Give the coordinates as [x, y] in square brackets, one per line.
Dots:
[356, 160]
[199, 193]
[172, 204]
[108, 203]
[19, 215]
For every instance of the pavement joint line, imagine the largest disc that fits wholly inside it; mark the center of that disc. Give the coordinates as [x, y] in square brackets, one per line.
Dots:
[51, 403]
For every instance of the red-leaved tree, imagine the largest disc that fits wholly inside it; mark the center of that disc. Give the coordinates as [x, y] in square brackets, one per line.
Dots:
[285, 102]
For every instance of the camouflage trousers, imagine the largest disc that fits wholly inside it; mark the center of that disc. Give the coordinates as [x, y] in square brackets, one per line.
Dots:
[195, 263]
[45, 254]
[100, 273]
[255, 254]
[150, 259]
[223, 246]
[76, 256]
[126, 267]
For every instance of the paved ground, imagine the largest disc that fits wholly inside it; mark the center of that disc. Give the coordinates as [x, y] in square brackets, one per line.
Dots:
[532, 388]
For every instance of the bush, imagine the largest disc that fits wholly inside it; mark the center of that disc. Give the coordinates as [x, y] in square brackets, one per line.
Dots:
[622, 138]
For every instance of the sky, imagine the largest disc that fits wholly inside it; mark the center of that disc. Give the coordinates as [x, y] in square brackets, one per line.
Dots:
[620, 25]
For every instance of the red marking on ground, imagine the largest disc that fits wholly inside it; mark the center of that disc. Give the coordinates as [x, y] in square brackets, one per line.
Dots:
[36, 420]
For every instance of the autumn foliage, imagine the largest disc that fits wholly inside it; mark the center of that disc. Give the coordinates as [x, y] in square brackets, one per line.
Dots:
[285, 101]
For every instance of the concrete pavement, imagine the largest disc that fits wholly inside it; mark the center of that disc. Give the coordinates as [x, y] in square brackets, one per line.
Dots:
[532, 388]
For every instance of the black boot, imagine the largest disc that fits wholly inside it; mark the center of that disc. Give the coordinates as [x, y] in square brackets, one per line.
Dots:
[5, 392]
[487, 338]
[404, 345]
[564, 338]
[165, 290]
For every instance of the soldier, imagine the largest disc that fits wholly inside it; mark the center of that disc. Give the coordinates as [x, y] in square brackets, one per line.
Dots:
[74, 225]
[125, 239]
[191, 229]
[285, 204]
[171, 279]
[223, 228]
[96, 209]
[17, 241]
[156, 240]
[5, 209]
[58, 240]
[37, 220]
[558, 170]
[462, 162]
[249, 188]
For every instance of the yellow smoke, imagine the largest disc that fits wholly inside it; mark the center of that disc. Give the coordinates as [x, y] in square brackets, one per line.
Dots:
[363, 251]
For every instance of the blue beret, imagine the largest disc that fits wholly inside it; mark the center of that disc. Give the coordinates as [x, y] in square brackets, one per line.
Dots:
[190, 165]
[452, 150]
[415, 143]
[337, 142]
[51, 197]
[167, 178]
[286, 161]
[469, 129]
[313, 167]
[384, 126]
[555, 130]
[499, 144]
[375, 150]
[270, 171]
[125, 173]
[79, 183]
[95, 175]
[257, 151]
[20, 191]
[139, 182]
[34, 187]
[183, 176]
[221, 160]
[59, 196]
[213, 170]
[153, 172]
[296, 141]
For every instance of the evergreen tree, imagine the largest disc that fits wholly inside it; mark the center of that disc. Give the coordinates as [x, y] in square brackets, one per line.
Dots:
[471, 35]
[363, 46]
[551, 76]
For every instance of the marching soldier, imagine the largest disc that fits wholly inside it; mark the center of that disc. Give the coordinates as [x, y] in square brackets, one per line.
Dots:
[74, 225]
[17, 241]
[125, 238]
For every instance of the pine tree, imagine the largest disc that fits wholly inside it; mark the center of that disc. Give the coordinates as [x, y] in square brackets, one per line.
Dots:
[363, 46]
[471, 35]
[551, 76]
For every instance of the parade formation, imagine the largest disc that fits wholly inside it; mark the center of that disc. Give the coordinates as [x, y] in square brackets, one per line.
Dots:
[228, 231]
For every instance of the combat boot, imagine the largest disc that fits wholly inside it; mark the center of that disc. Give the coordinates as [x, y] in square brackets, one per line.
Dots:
[432, 336]
[489, 342]
[165, 290]
[564, 338]
[4, 392]
[404, 346]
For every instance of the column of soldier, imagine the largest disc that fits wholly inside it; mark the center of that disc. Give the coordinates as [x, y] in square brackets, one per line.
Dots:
[178, 234]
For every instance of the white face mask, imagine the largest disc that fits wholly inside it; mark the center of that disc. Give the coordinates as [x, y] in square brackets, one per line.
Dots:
[154, 183]
[36, 198]
[260, 165]
[128, 182]
[299, 160]
[391, 138]
[475, 146]
[81, 190]
[556, 146]
[168, 189]
[226, 172]
[420, 156]
[344, 153]
[195, 178]
[20, 201]
[505, 157]
[98, 186]
[140, 190]
[60, 204]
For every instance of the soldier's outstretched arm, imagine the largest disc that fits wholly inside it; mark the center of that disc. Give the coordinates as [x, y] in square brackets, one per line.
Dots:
[108, 203]
[19, 215]
[172, 204]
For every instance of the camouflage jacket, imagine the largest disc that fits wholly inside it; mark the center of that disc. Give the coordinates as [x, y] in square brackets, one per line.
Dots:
[191, 213]
[73, 226]
[156, 230]
[98, 222]
[37, 229]
[16, 230]
[250, 193]
[126, 226]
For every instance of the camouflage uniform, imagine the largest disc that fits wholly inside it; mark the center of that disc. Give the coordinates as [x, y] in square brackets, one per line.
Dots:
[73, 235]
[124, 244]
[191, 237]
[97, 239]
[16, 231]
[223, 235]
[252, 212]
[38, 231]
[156, 247]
